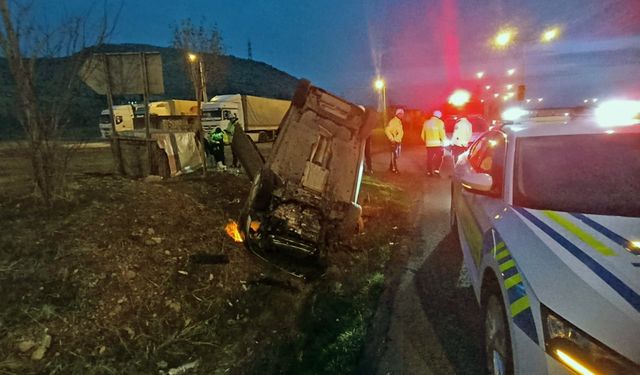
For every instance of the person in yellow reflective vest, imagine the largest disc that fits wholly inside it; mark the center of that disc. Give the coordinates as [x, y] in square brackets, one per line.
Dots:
[435, 139]
[217, 140]
[394, 133]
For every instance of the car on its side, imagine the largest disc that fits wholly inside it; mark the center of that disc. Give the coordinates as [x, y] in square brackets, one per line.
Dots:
[548, 218]
[304, 196]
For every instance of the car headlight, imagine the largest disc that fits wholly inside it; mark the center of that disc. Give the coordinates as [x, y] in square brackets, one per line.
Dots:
[580, 352]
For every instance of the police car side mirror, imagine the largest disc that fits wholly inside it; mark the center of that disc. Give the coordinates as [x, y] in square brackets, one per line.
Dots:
[474, 181]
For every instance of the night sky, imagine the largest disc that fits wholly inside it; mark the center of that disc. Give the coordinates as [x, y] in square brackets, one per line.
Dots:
[423, 48]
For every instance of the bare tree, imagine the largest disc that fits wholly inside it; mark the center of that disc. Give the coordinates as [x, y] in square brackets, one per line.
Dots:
[44, 62]
[203, 40]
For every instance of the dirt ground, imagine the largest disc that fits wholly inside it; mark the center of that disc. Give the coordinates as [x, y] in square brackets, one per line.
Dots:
[128, 276]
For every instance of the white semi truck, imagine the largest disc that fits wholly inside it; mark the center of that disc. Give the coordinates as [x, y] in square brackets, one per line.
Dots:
[169, 108]
[124, 119]
[259, 117]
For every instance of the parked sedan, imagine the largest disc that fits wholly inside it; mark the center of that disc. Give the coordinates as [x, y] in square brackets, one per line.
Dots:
[548, 216]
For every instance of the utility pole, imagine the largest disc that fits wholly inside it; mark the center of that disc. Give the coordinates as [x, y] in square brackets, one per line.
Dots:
[249, 50]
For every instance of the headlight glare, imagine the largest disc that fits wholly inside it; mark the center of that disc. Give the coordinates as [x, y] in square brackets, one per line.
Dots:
[581, 352]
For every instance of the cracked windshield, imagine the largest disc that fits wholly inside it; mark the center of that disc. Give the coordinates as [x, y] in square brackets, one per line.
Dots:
[320, 187]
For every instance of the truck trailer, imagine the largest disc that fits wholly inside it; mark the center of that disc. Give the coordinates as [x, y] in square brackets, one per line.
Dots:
[259, 117]
[172, 114]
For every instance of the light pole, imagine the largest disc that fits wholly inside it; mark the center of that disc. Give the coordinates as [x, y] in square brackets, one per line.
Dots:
[381, 87]
[201, 77]
[200, 93]
[505, 37]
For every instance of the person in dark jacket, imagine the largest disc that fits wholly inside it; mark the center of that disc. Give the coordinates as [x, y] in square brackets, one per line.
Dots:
[231, 128]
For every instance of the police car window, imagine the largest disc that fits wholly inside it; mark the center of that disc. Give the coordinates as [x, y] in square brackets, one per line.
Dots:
[488, 156]
[591, 173]
[474, 150]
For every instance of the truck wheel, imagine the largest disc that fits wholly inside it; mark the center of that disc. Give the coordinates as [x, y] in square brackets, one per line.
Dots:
[300, 96]
[263, 136]
[497, 338]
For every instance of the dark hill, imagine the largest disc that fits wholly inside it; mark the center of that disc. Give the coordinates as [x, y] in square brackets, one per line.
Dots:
[232, 75]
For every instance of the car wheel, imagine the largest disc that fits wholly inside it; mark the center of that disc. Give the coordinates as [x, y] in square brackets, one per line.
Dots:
[497, 337]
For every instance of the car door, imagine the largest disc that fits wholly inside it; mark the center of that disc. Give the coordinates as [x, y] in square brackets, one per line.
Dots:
[474, 209]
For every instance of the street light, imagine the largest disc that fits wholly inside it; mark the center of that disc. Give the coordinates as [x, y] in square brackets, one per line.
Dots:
[509, 86]
[503, 38]
[487, 87]
[507, 36]
[201, 92]
[540, 99]
[480, 75]
[550, 34]
[378, 84]
[202, 89]
[381, 87]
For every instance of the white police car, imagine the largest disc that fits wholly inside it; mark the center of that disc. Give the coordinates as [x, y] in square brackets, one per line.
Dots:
[548, 217]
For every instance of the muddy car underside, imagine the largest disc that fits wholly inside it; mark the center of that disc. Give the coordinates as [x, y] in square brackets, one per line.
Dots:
[304, 197]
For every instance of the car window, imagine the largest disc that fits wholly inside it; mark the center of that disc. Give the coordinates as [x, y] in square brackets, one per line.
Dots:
[473, 149]
[591, 173]
[487, 155]
[214, 114]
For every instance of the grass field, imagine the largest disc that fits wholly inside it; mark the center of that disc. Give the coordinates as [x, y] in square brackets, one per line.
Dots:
[128, 276]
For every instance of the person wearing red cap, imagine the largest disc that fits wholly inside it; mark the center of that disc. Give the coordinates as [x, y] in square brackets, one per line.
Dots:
[394, 134]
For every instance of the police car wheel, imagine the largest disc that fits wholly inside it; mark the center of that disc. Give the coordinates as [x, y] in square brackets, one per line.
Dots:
[497, 337]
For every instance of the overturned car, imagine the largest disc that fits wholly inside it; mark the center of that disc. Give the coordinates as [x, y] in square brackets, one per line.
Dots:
[304, 197]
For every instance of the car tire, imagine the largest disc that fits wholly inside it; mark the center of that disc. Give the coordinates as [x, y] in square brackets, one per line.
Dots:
[497, 338]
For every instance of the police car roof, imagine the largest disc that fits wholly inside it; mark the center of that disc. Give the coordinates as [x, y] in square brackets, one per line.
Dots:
[565, 126]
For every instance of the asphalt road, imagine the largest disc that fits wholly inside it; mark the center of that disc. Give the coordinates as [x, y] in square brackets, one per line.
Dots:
[427, 322]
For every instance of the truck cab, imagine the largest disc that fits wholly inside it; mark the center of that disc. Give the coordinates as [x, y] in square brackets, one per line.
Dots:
[259, 117]
[218, 111]
[155, 109]
[123, 116]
